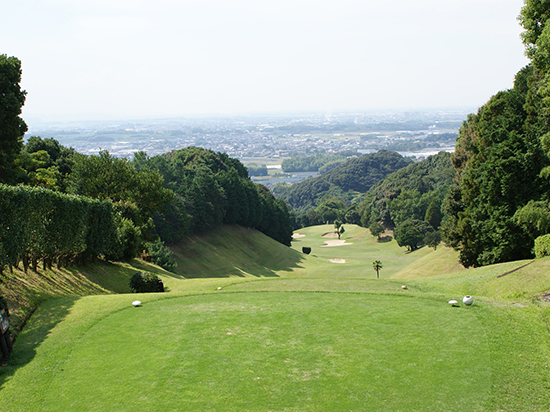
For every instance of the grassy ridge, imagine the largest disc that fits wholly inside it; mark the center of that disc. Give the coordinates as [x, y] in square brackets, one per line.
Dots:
[288, 331]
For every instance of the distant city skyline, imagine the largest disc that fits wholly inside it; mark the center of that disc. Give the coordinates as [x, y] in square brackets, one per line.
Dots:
[122, 59]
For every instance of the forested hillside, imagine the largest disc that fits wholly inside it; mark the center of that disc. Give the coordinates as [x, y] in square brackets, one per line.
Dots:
[344, 182]
[409, 201]
[211, 189]
[321, 163]
[409, 192]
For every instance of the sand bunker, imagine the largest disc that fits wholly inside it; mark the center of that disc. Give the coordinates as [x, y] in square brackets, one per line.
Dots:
[298, 235]
[330, 235]
[332, 243]
[337, 260]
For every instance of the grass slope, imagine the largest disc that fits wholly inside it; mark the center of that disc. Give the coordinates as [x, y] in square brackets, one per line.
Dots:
[290, 332]
[441, 261]
[235, 251]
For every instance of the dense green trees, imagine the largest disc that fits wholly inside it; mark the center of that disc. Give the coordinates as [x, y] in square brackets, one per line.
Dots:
[37, 223]
[498, 160]
[321, 163]
[213, 189]
[136, 196]
[344, 182]
[413, 192]
[413, 233]
[257, 170]
[12, 127]
[499, 203]
[376, 229]
[46, 163]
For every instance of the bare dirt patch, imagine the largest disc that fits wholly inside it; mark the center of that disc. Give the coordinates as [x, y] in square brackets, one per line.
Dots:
[332, 243]
[337, 260]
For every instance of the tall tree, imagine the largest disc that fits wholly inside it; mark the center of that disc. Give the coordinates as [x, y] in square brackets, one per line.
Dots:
[12, 127]
[500, 200]
[498, 160]
[376, 229]
[407, 234]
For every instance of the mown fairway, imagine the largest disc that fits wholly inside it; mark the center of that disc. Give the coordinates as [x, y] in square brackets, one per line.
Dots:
[289, 340]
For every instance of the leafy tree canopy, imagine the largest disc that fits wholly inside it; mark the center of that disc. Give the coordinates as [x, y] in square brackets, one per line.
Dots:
[408, 192]
[12, 127]
[212, 189]
[498, 160]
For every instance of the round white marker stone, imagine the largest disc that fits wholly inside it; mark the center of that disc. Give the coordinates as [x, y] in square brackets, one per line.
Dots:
[452, 302]
[468, 300]
[136, 303]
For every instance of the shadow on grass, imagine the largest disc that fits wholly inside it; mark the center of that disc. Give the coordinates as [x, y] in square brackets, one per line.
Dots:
[115, 276]
[230, 269]
[385, 239]
[233, 251]
[35, 332]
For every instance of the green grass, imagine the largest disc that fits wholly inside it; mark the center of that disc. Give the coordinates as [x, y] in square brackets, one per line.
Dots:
[234, 251]
[441, 261]
[250, 351]
[359, 254]
[286, 332]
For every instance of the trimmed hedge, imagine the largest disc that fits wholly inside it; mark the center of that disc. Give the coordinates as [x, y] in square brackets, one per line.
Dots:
[144, 282]
[37, 223]
[306, 250]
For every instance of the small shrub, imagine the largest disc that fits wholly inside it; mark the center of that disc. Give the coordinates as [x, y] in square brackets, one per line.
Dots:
[144, 282]
[306, 250]
[542, 246]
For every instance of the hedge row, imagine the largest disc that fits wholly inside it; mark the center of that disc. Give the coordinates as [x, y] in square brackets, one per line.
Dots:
[37, 223]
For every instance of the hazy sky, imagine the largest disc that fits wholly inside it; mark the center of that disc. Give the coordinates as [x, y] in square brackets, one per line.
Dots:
[159, 58]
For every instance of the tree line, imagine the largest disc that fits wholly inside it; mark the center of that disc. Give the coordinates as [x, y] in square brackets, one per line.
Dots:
[343, 183]
[321, 163]
[499, 201]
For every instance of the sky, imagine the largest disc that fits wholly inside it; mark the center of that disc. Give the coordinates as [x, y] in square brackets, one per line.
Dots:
[108, 59]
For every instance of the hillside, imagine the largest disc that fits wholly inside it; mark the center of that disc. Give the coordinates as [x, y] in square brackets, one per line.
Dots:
[408, 192]
[234, 251]
[24, 291]
[345, 181]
